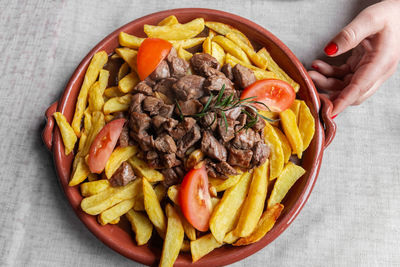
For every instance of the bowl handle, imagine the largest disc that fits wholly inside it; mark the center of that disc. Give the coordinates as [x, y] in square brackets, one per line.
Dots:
[47, 134]
[327, 120]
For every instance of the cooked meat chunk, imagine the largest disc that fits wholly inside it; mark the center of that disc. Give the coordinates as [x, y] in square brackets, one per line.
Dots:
[136, 103]
[189, 87]
[158, 121]
[150, 82]
[139, 122]
[123, 175]
[188, 140]
[234, 113]
[151, 155]
[170, 160]
[189, 107]
[145, 141]
[209, 121]
[215, 83]
[239, 157]
[144, 88]
[243, 76]
[201, 60]
[152, 105]
[208, 71]
[166, 110]
[177, 66]
[170, 124]
[226, 129]
[227, 70]
[241, 121]
[170, 177]
[165, 86]
[161, 72]
[212, 148]
[165, 144]
[182, 128]
[225, 169]
[260, 124]
[210, 168]
[260, 153]
[180, 172]
[123, 139]
[244, 139]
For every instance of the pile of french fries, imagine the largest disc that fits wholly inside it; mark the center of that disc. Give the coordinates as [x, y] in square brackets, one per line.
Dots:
[243, 210]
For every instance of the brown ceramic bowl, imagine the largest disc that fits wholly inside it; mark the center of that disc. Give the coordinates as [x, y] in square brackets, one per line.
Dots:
[119, 238]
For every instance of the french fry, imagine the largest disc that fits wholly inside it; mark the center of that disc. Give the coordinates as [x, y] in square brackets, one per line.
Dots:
[189, 230]
[139, 202]
[287, 150]
[160, 191]
[67, 133]
[272, 66]
[175, 31]
[173, 238]
[184, 54]
[265, 224]
[172, 193]
[290, 174]
[218, 52]
[259, 73]
[306, 124]
[122, 71]
[97, 123]
[224, 184]
[270, 115]
[96, 64]
[109, 197]
[115, 221]
[207, 46]
[87, 121]
[129, 40]
[288, 122]
[259, 61]
[119, 155]
[214, 202]
[253, 206]
[129, 56]
[194, 158]
[187, 43]
[116, 104]
[276, 156]
[142, 169]
[116, 211]
[108, 118]
[153, 208]
[115, 56]
[79, 172]
[129, 82]
[141, 225]
[82, 141]
[92, 188]
[223, 216]
[111, 92]
[202, 246]
[170, 20]
[223, 29]
[211, 33]
[231, 47]
[230, 238]
[295, 107]
[96, 101]
[104, 75]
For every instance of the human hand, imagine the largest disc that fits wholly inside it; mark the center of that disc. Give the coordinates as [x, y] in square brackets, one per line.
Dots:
[374, 36]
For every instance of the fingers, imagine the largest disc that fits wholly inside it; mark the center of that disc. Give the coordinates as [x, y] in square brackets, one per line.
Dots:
[364, 25]
[329, 70]
[324, 83]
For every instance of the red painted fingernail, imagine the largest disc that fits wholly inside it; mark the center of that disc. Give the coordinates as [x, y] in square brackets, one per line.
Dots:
[331, 49]
[315, 67]
[334, 116]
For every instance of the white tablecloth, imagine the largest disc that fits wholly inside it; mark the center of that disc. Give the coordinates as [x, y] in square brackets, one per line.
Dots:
[351, 219]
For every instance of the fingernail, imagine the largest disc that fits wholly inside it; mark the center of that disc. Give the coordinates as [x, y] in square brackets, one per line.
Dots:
[315, 67]
[334, 116]
[331, 49]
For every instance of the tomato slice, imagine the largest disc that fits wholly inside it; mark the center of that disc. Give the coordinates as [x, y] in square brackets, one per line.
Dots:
[103, 145]
[194, 198]
[277, 95]
[151, 52]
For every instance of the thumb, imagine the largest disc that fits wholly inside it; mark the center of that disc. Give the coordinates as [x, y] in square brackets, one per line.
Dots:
[364, 25]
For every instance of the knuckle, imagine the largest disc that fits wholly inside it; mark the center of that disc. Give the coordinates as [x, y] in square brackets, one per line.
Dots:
[349, 36]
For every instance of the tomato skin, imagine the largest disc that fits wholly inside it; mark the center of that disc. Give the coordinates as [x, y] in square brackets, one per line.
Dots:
[276, 94]
[151, 52]
[103, 145]
[194, 198]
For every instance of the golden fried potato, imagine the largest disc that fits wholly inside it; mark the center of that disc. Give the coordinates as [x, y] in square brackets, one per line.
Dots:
[287, 150]
[96, 101]
[231, 47]
[187, 43]
[207, 46]
[116, 211]
[295, 107]
[129, 56]
[172, 193]
[211, 33]
[187, 227]
[142, 169]
[104, 75]
[82, 141]
[111, 92]
[92, 188]
[306, 124]
[223, 184]
[122, 72]
[218, 52]
[67, 133]
[224, 215]
[274, 116]
[290, 174]
[126, 84]
[272, 66]
[109, 197]
[276, 156]
[108, 118]
[170, 20]
[223, 29]
[115, 221]
[96, 64]
[259, 73]
[253, 206]
[129, 40]
[173, 238]
[116, 104]
[87, 121]
[153, 208]
[194, 158]
[265, 224]
[97, 123]
[80, 171]
[202, 246]
[141, 226]
[161, 191]
[175, 31]
[288, 122]
[184, 54]
[119, 155]
[230, 238]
